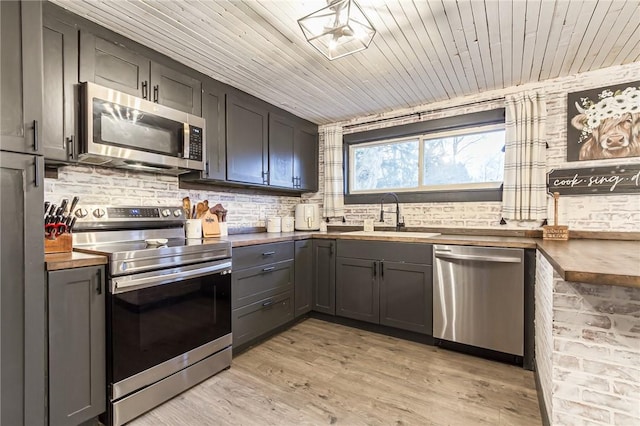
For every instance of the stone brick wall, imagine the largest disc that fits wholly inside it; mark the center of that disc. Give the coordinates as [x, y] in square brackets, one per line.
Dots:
[595, 366]
[605, 213]
[543, 328]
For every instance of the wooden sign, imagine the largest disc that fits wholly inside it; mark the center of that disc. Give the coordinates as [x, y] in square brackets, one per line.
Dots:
[623, 179]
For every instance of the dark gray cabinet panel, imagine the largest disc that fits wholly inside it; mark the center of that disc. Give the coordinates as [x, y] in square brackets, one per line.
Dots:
[281, 143]
[305, 159]
[113, 65]
[60, 62]
[357, 289]
[175, 90]
[397, 252]
[77, 349]
[406, 296]
[21, 76]
[253, 284]
[261, 254]
[303, 276]
[256, 319]
[22, 293]
[247, 140]
[324, 276]
[213, 113]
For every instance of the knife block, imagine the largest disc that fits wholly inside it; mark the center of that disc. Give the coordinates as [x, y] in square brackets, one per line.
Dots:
[61, 244]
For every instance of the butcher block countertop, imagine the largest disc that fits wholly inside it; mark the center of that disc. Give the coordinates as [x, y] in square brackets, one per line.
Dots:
[58, 261]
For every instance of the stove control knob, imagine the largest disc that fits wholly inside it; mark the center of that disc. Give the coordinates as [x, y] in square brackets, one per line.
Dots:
[99, 213]
[81, 213]
[166, 212]
[177, 213]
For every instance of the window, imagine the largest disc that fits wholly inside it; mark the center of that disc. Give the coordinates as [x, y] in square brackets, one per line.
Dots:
[463, 159]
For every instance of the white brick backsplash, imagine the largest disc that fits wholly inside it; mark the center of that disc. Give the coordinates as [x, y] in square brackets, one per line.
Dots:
[594, 374]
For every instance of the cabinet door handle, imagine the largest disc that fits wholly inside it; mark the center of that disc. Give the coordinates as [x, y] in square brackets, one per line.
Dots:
[375, 268]
[71, 148]
[268, 253]
[331, 249]
[36, 141]
[268, 268]
[156, 93]
[36, 174]
[145, 89]
[381, 269]
[206, 168]
[265, 177]
[99, 288]
[267, 303]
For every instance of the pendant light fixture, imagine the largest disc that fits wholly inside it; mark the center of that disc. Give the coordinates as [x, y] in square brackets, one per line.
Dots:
[339, 29]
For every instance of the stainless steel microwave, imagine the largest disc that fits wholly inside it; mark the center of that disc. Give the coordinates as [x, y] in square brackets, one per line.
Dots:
[120, 130]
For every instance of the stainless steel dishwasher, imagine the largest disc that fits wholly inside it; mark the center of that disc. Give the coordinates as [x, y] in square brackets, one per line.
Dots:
[478, 297]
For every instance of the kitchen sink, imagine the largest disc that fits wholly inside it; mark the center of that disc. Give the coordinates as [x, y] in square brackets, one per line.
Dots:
[395, 234]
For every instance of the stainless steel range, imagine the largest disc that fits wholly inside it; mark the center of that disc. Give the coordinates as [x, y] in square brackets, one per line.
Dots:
[168, 305]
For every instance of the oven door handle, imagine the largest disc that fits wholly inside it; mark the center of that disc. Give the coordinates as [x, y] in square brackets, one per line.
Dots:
[122, 286]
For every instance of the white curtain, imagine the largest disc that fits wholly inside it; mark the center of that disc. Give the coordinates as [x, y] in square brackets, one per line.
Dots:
[333, 181]
[524, 196]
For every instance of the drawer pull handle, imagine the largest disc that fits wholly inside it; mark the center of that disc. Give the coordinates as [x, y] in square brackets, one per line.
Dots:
[269, 253]
[269, 268]
[267, 303]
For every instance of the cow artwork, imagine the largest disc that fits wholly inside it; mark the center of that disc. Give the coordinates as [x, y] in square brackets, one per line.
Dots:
[604, 123]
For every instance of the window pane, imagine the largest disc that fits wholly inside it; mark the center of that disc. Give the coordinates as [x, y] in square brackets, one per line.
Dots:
[385, 166]
[472, 158]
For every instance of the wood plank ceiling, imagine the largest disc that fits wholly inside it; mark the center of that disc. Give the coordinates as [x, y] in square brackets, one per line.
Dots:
[424, 51]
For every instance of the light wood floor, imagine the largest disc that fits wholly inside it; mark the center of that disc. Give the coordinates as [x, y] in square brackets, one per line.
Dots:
[321, 373]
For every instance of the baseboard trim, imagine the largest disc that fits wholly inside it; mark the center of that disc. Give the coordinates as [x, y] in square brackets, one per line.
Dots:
[543, 407]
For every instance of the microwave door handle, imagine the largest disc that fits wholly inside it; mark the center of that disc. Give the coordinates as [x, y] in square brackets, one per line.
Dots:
[119, 286]
[185, 141]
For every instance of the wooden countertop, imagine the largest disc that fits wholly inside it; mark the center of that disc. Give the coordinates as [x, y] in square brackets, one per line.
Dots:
[58, 261]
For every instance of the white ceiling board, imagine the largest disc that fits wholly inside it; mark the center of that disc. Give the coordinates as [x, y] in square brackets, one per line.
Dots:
[425, 51]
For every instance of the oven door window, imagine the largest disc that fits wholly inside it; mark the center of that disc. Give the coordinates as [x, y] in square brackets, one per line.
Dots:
[156, 324]
[125, 127]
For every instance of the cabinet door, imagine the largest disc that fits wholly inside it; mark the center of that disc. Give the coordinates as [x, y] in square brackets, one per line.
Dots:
[21, 76]
[406, 296]
[281, 137]
[112, 65]
[357, 293]
[22, 293]
[324, 276]
[213, 113]
[247, 123]
[60, 62]
[77, 381]
[303, 276]
[176, 90]
[305, 170]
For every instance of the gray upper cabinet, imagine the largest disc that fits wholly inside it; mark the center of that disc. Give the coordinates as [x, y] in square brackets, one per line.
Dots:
[324, 276]
[60, 62]
[303, 276]
[77, 381]
[175, 89]
[213, 112]
[21, 76]
[113, 65]
[357, 289]
[281, 142]
[247, 140]
[22, 293]
[305, 158]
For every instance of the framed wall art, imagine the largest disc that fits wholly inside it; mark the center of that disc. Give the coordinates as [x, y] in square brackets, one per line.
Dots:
[604, 123]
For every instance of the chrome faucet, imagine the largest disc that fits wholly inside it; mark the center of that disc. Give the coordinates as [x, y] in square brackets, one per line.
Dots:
[399, 225]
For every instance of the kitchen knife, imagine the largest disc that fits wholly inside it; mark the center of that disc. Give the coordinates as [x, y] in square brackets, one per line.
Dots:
[63, 205]
[52, 209]
[59, 211]
[72, 224]
[74, 203]
[46, 206]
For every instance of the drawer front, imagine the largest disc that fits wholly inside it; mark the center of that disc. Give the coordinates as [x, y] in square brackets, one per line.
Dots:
[261, 317]
[418, 253]
[253, 284]
[262, 254]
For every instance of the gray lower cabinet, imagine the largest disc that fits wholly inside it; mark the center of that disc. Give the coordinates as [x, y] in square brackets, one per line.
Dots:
[385, 283]
[21, 76]
[324, 276]
[77, 348]
[22, 289]
[262, 290]
[60, 61]
[303, 276]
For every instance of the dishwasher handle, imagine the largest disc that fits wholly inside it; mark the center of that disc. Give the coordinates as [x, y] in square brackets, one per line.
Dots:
[476, 258]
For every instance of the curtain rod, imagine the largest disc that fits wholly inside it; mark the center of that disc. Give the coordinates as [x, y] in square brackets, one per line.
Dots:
[419, 113]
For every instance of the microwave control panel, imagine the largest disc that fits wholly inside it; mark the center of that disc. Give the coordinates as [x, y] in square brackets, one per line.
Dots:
[195, 143]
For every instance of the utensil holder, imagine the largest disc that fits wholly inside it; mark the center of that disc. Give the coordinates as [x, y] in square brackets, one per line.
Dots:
[61, 244]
